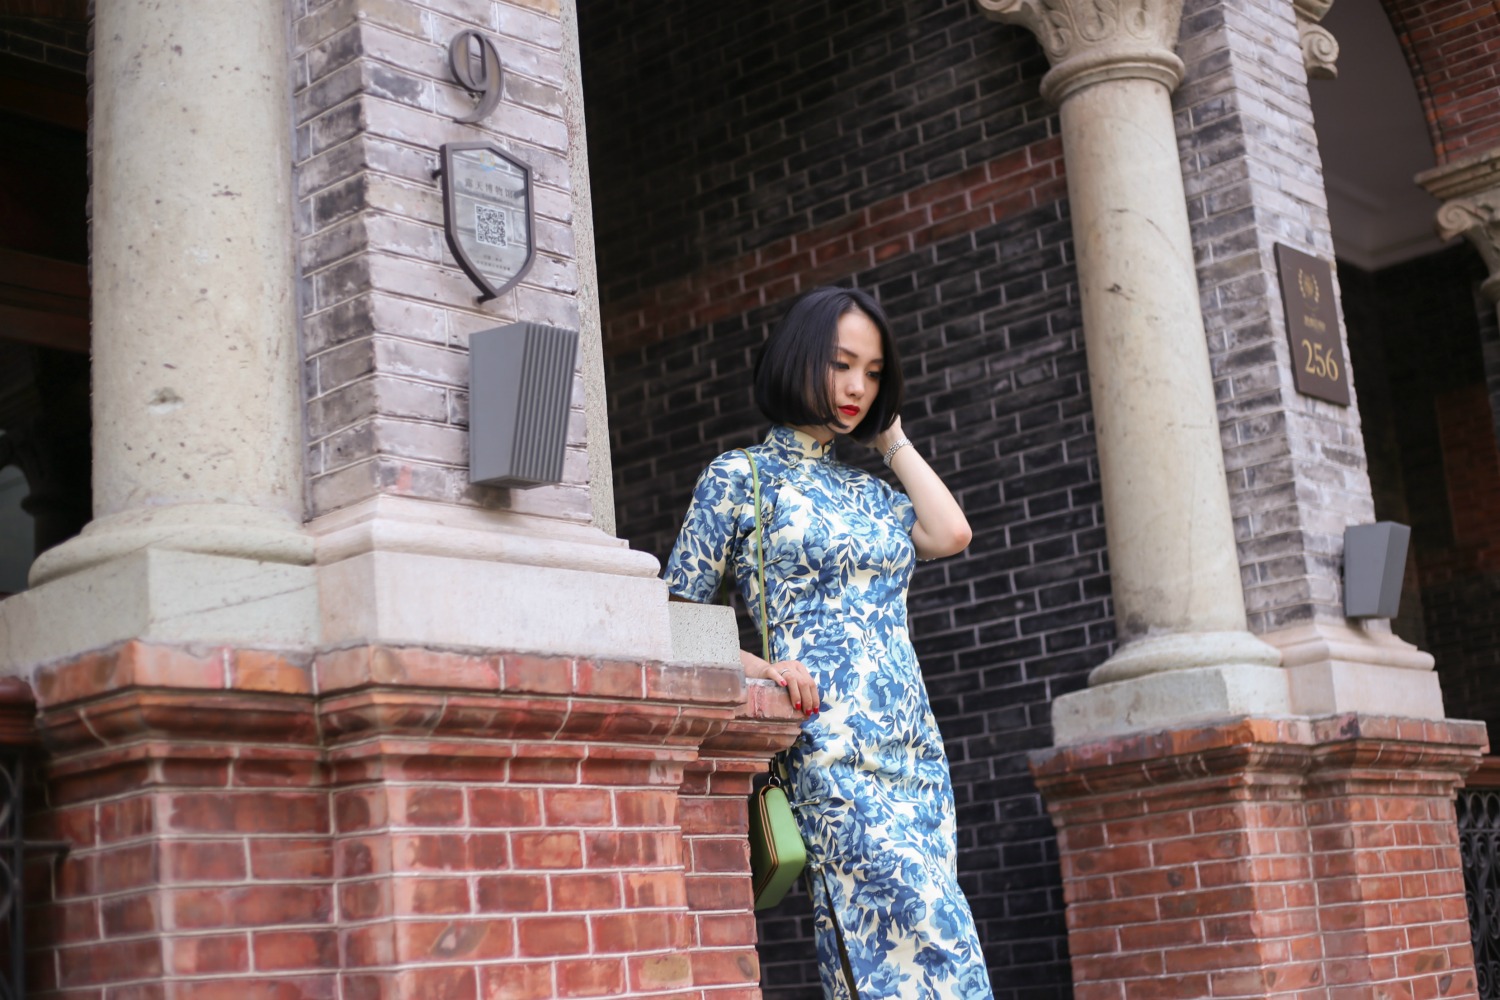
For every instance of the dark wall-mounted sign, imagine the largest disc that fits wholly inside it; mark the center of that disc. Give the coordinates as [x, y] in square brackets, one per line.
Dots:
[467, 49]
[1312, 326]
[487, 214]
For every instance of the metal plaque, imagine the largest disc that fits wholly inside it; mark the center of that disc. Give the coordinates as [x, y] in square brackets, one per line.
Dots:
[487, 214]
[1312, 326]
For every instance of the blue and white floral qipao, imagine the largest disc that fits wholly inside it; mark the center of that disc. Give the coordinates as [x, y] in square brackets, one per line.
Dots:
[869, 779]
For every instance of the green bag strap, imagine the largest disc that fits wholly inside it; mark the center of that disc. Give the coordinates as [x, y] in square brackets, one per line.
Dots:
[760, 558]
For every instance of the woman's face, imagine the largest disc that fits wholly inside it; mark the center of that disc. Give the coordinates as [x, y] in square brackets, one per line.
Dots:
[854, 378]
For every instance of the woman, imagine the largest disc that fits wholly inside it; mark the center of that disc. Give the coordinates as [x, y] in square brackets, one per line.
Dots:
[869, 780]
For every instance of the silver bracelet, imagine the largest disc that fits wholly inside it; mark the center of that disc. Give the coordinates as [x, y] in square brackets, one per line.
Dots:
[895, 447]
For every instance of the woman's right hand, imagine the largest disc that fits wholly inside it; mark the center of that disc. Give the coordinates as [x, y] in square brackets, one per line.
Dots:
[801, 689]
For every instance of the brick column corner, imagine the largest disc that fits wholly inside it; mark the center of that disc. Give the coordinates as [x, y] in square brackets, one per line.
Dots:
[1265, 858]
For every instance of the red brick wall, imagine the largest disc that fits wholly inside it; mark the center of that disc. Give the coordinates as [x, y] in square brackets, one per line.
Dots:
[1471, 468]
[429, 824]
[1461, 578]
[1453, 50]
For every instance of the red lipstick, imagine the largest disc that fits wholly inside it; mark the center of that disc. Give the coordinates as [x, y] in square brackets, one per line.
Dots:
[849, 411]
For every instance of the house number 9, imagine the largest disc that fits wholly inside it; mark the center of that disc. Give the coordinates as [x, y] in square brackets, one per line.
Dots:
[462, 60]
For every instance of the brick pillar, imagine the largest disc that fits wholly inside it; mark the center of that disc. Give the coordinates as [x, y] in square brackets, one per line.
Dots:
[197, 825]
[521, 833]
[1266, 858]
[428, 824]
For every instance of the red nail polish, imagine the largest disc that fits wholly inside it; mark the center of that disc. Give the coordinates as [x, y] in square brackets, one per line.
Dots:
[799, 704]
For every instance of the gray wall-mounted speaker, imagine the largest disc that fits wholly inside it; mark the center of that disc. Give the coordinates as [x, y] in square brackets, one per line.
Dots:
[1374, 565]
[520, 387]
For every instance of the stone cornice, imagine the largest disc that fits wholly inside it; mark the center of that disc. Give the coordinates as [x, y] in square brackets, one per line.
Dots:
[1470, 175]
[1470, 189]
[1425, 756]
[1090, 41]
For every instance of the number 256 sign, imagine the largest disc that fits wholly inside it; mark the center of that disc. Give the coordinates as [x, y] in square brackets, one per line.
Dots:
[1312, 326]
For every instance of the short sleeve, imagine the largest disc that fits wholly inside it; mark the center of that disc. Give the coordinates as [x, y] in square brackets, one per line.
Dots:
[900, 505]
[706, 542]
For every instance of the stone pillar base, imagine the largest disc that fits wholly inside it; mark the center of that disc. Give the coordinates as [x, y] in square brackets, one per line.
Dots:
[159, 596]
[1169, 698]
[1266, 858]
[402, 572]
[379, 823]
[1339, 667]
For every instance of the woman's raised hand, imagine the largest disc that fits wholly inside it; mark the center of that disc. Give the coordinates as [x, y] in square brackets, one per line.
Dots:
[888, 437]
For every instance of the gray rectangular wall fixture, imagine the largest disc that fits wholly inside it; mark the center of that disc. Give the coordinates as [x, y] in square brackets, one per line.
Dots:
[520, 388]
[1374, 565]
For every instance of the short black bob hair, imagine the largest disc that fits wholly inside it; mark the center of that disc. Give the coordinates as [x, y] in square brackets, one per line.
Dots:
[791, 372]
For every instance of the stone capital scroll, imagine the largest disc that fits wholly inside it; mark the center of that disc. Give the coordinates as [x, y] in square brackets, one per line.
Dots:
[1090, 41]
[1320, 50]
[1470, 189]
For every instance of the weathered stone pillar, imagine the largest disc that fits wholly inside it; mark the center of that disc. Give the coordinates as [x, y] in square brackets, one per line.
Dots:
[196, 406]
[1179, 608]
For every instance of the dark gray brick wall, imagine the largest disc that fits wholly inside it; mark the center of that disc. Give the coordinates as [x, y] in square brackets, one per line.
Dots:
[50, 40]
[999, 404]
[712, 134]
[717, 130]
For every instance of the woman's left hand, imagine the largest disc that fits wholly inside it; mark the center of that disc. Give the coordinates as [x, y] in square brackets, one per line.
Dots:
[801, 689]
[941, 528]
[799, 684]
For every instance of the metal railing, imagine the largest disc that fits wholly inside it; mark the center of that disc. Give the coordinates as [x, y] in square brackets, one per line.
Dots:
[12, 865]
[1479, 847]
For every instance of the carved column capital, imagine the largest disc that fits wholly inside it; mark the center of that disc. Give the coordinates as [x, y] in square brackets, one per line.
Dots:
[1089, 41]
[1478, 218]
[1470, 189]
[1320, 50]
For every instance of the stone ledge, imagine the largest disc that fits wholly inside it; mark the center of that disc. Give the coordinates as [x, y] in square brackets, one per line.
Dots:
[1465, 176]
[139, 692]
[140, 664]
[763, 725]
[144, 664]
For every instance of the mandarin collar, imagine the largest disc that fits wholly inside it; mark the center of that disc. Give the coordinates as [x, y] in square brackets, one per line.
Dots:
[797, 444]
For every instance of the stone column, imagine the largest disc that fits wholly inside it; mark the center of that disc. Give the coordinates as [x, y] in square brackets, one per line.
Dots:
[1179, 608]
[196, 406]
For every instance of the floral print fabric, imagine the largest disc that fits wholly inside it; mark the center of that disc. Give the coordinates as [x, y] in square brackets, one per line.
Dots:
[869, 779]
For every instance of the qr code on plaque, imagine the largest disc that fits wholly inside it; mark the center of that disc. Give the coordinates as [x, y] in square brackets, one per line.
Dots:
[489, 226]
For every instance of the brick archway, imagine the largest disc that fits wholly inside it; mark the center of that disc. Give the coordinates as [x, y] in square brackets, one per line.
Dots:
[1450, 49]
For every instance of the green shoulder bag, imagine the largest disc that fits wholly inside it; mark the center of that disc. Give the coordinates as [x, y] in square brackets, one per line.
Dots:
[777, 854]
